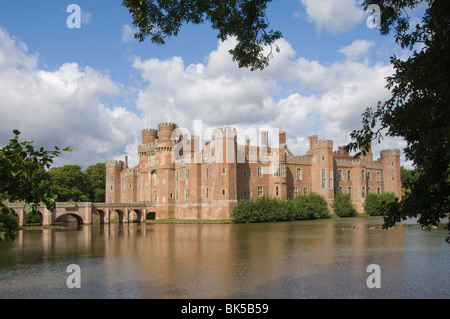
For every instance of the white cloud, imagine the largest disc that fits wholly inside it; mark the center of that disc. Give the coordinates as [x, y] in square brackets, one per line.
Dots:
[303, 97]
[327, 100]
[61, 107]
[333, 16]
[127, 33]
[357, 49]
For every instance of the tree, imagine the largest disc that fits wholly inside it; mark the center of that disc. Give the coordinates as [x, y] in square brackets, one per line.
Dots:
[343, 206]
[22, 169]
[418, 109]
[69, 183]
[377, 204]
[96, 178]
[243, 19]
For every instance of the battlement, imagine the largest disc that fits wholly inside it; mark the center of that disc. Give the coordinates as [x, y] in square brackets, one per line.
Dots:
[150, 131]
[390, 152]
[323, 144]
[167, 126]
[224, 132]
[114, 163]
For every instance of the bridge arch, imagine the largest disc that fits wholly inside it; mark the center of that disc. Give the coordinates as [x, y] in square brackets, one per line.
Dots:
[120, 214]
[68, 217]
[150, 216]
[135, 215]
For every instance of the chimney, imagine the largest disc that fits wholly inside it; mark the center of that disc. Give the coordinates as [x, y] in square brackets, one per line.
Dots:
[264, 138]
[282, 138]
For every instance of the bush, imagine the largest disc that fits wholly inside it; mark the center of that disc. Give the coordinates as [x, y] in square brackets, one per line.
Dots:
[376, 204]
[265, 209]
[343, 206]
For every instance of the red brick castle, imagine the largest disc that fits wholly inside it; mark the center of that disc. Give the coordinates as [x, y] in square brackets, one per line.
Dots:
[182, 179]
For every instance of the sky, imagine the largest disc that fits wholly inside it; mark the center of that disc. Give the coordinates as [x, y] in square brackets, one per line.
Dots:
[95, 88]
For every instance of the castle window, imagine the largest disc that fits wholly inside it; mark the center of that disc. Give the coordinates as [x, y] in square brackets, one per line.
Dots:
[223, 192]
[323, 158]
[393, 178]
[245, 173]
[186, 193]
[245, 193]
[111, 188]
[130, 186]
[187, 174]
[207, 192]
[176, 194]
[277, 191]
[363, 175]
[305, 190]
[349, 175]
[378, 190]
[259, 171]
[368, 190]
[340, 176]
[249, 173]
[176, 176]
[299, 174]
[363, 192]
[349, 191]
[324, 177]
[207, 173]
[368, 176]
[260, 191]
[171, 195]
[279, 170]
[378, 177]
[330, 177]
[295, 192]
[224, 171]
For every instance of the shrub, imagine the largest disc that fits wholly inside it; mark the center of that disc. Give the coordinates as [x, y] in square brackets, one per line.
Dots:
[265, 209]
[343, 206]
[376, 204]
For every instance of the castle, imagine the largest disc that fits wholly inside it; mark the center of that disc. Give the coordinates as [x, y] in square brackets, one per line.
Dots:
[182, 179]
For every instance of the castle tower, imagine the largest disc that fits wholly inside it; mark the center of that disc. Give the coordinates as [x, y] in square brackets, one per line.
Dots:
[322, 169]
[113, 181]
[149, 135]
[225, 182]
[391, 171]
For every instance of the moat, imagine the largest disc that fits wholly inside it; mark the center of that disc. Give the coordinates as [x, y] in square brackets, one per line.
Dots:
[304, 259]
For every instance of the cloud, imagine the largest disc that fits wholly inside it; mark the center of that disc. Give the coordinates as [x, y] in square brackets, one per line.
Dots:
[303, 97]
[61, 107]
[357, 49]
[127, 33]
[333, 16]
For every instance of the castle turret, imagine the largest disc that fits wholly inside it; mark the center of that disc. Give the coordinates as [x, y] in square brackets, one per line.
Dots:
[391, 171]
[165, 130]
[322, 170]
[149, 135]
[113, 181]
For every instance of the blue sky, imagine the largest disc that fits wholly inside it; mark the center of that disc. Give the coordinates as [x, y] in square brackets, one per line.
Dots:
[95, 88]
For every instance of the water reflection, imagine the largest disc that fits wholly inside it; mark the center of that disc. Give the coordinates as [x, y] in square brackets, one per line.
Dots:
[308, 259]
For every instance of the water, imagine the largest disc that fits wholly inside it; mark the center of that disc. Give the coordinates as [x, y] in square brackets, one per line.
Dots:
[305, 259]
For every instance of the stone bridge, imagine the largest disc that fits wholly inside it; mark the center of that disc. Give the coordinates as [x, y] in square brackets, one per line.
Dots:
[85, 213]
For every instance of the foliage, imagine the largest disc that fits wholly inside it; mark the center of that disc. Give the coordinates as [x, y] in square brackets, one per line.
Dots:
[343, 206]
[418, 107]
[71, 184]
[22, 169]
[96, 178]
[245, 20]
[265, 209]
[377, 204]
